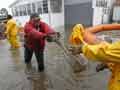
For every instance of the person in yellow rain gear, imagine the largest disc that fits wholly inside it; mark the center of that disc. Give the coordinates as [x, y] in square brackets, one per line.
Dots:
[12, 32]
[97, 50]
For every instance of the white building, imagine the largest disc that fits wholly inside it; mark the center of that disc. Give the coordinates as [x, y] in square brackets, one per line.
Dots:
[51, 11]
[102, 9]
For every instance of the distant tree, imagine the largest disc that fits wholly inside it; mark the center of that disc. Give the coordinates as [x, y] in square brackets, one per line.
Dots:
[3, 14]
[4, 11]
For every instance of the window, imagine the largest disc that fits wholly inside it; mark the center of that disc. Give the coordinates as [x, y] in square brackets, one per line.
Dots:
[29, 9]
[101, 3]
[24, 10]
[16, 12]
[56, 6]
[106, 10]
[33, 8]
[45, 6]
[21, 11]
[39, 7]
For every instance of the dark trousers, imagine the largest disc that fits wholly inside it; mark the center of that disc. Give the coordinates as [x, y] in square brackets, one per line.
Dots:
[28, 53]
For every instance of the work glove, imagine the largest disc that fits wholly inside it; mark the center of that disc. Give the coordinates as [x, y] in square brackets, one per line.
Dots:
[52, 37]
[75, 50]
[101, 67]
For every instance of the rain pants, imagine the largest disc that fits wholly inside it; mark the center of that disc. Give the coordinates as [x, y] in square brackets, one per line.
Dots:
[104, 52]
[11, 33]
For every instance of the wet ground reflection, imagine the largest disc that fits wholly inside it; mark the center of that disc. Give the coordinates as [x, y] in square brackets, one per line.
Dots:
[58, 73]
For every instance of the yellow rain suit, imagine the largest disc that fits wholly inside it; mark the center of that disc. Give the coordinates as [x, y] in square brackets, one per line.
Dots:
[11, 33]
[103, 52]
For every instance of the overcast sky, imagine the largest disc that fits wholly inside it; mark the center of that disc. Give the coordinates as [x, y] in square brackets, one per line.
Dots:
[5, 3]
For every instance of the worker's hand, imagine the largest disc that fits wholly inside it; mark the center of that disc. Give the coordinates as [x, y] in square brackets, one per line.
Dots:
[75, 49]
[52, 37]
[6, 35]
[48, 38]
[58, 35]
[101, 67]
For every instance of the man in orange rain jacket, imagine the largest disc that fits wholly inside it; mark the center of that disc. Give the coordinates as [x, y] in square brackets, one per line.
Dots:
[97, 50]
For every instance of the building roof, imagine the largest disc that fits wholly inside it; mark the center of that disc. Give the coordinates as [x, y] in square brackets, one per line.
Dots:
[14, 3]
[21, 2]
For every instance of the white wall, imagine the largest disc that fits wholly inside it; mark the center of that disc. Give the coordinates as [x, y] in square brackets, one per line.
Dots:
[97, 16]
[55, 20]
[24, 19]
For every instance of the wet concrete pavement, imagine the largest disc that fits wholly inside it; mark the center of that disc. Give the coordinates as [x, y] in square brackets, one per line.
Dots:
[58, 73]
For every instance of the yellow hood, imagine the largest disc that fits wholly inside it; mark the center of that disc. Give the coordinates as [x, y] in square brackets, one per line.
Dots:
[76, 36]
